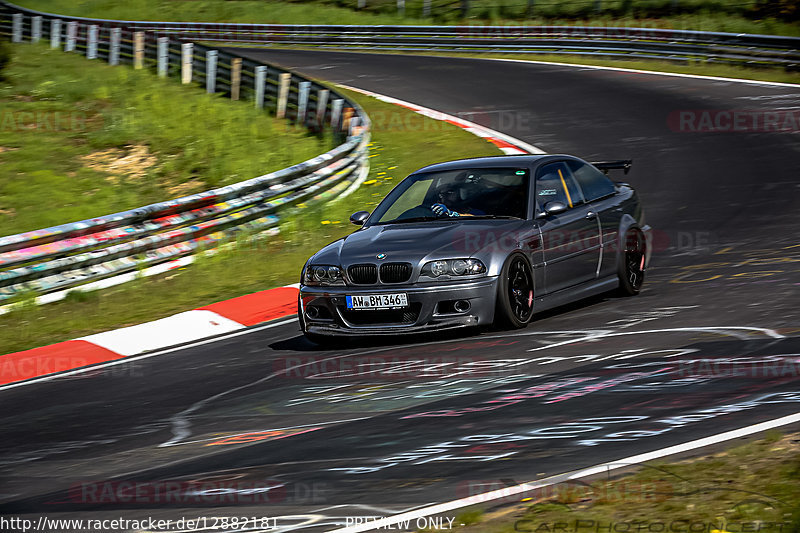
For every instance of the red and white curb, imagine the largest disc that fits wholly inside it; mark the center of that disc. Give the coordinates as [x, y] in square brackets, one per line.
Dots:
[208, 321]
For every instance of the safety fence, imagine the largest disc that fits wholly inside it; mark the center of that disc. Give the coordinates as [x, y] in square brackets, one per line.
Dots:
[615, 42]
[69, 255]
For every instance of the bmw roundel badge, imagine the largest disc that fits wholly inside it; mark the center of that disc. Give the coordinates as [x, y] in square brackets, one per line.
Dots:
[381, 256]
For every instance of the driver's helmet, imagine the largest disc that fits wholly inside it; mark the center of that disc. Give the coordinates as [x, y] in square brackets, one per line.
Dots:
[450, 194]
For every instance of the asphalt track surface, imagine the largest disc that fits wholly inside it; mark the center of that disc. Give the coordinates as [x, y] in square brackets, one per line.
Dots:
[266, 424]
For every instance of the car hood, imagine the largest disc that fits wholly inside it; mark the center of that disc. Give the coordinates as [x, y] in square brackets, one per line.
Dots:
[416, 242]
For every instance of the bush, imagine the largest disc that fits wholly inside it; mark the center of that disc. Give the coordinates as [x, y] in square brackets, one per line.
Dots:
[786, 10]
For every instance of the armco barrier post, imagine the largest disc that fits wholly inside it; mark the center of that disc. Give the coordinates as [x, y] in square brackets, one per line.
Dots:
[211, 71]
[187, 49]
[322, 105]
[336, 113]
[347, 117]
[113, 52]
[302, 102]
[72, 34]
[16, 31]
[163, 56]
[236, 77]
[55, 33]
[261, 85]
[36, 29]
[283, 94]
[91, 47]
[138, 50]
[401, 8]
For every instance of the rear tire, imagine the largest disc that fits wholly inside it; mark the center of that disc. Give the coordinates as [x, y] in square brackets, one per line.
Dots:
[514, 307]
[631, 265]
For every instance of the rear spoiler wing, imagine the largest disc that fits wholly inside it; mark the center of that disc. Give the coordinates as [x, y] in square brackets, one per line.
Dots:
[622, 164]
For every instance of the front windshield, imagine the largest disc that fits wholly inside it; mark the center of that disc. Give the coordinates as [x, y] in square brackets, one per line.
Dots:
[481, 192]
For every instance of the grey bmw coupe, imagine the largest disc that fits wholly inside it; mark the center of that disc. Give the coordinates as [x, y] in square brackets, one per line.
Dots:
[476, 242]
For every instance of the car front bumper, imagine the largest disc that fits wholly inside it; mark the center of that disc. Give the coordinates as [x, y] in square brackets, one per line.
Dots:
[323, 310]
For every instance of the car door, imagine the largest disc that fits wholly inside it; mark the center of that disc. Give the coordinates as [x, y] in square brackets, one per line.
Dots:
[571, 238]
[599, 194]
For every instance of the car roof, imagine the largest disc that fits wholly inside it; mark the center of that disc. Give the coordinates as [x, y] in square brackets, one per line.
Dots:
[494, 161]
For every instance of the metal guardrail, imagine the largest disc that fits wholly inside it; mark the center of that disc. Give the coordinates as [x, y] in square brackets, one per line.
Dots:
[68, 255]
[633, 43]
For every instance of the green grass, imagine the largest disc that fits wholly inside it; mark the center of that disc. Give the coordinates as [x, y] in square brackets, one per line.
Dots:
[748, 16]
[756, 481]
[80, 139]
[402, 142]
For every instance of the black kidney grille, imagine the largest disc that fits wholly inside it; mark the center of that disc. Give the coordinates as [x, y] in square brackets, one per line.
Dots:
[363, 274]
[395, 272]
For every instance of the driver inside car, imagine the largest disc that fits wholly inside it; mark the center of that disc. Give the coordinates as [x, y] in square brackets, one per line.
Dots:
[452, 198]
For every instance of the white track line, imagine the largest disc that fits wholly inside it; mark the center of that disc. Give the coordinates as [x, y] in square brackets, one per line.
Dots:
[639, 71]
[387, 522]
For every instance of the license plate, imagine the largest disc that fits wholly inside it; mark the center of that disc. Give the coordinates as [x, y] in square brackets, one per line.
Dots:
[377, 301]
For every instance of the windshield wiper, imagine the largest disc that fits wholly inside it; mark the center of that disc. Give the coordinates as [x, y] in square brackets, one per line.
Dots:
[450, 219]
[506, 217]
[413, 219]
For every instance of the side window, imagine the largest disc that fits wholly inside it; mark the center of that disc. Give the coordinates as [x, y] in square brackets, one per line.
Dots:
[554, 183]
[594, 183]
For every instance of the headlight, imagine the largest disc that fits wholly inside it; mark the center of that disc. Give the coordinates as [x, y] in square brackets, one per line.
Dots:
[453, 267]
[323, 275]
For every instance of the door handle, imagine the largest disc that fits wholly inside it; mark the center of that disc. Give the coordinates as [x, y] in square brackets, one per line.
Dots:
[591, 215]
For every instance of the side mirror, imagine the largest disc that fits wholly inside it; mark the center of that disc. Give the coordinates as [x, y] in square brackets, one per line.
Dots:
[552, 208]
[359, 217]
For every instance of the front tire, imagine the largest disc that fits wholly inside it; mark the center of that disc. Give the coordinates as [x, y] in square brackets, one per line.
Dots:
[515, 293]
[632, 263]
